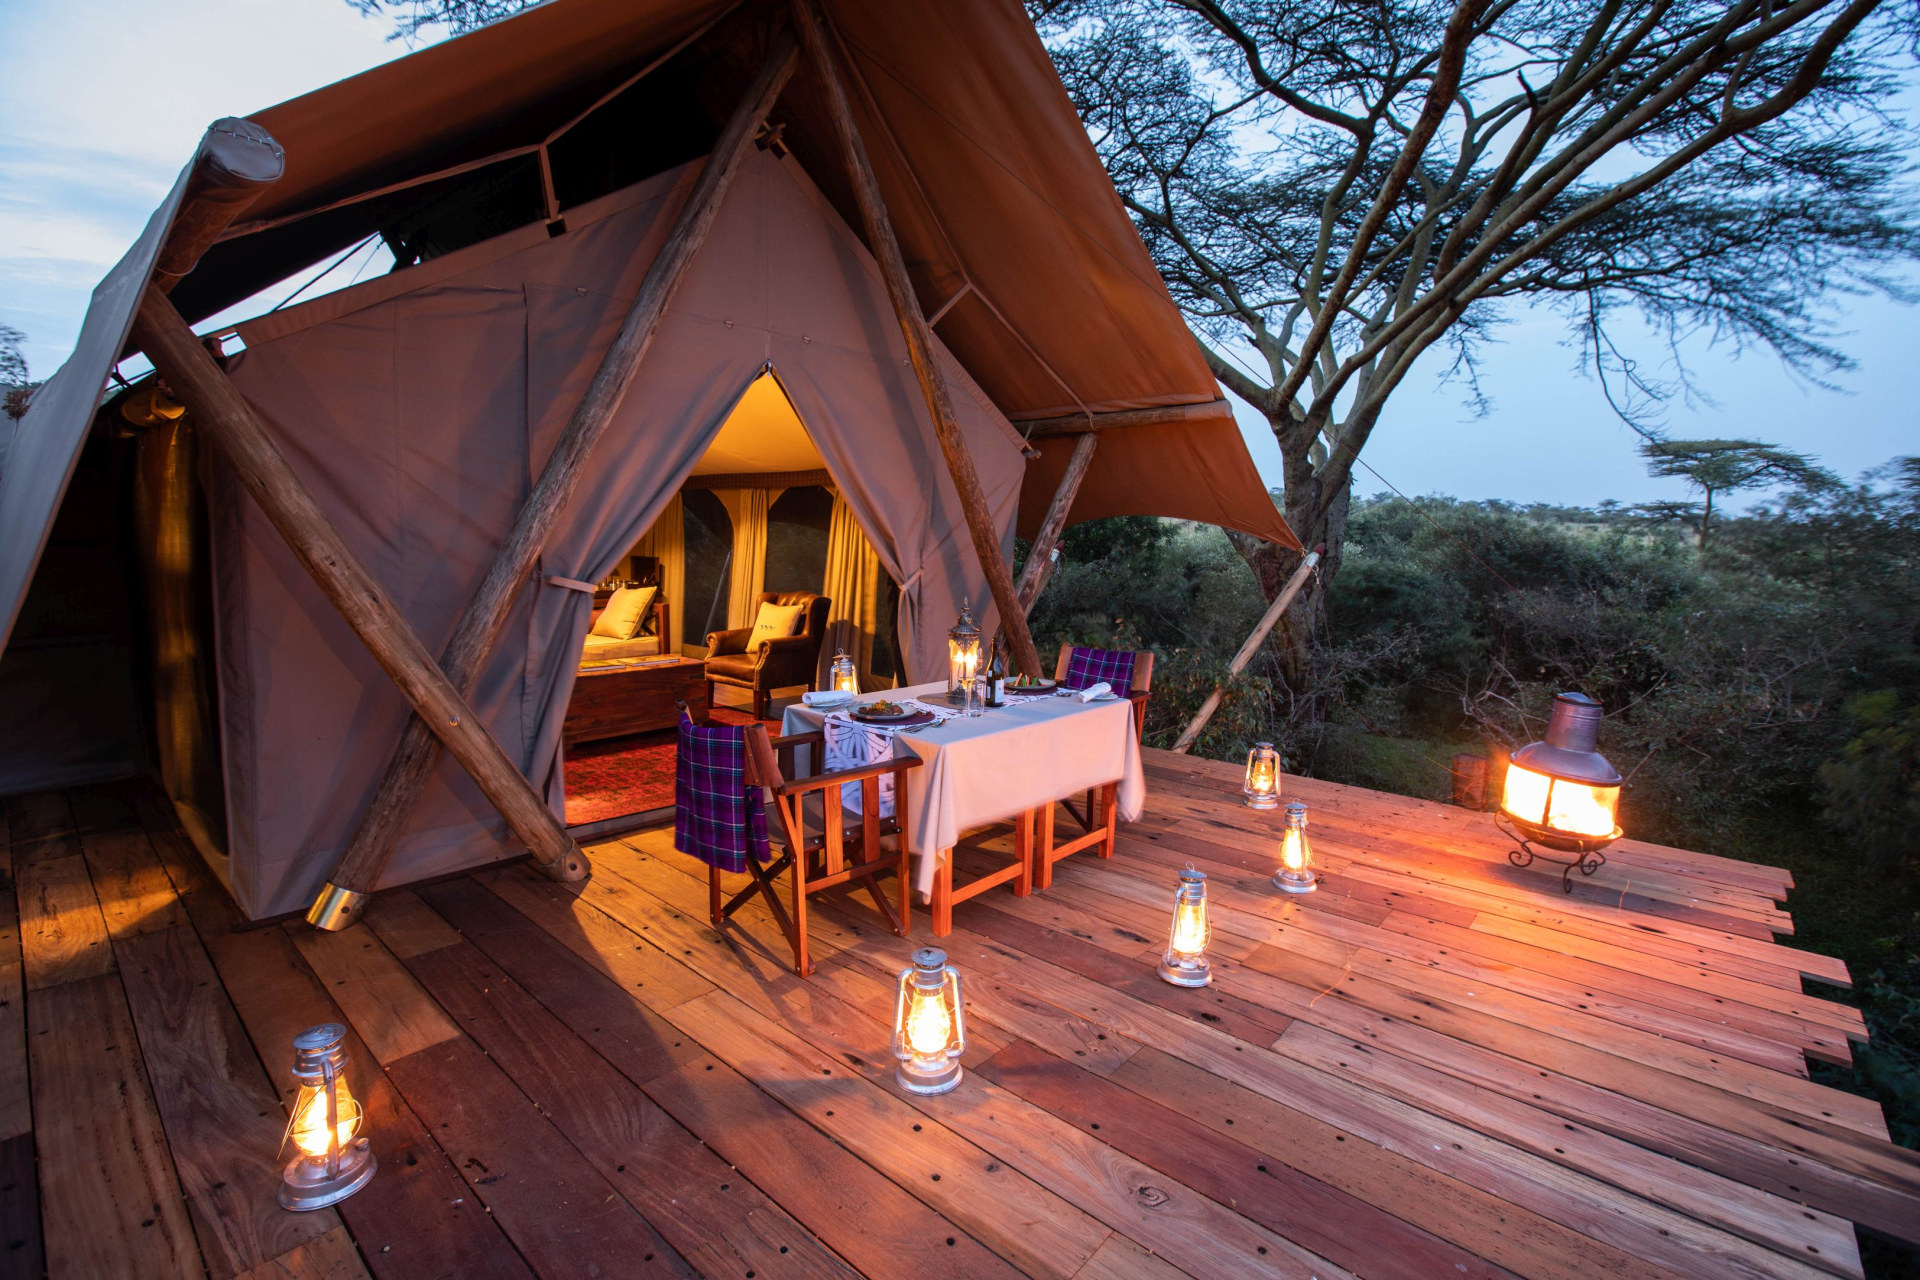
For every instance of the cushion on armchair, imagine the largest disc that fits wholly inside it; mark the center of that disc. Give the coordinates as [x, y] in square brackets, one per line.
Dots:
[774, 622]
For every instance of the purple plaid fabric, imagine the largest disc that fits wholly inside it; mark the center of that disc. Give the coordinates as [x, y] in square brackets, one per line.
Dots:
[716, 817]
[1090, 666]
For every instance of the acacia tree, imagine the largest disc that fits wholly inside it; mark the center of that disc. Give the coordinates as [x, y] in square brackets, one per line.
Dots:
[1340, 187]
[1727, 466]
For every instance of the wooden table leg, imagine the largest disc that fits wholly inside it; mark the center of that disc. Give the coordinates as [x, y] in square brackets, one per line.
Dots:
[942, 904]
[1023, 828]
[1043, 847]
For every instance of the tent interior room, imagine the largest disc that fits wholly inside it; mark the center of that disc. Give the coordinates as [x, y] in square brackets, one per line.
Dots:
[760, 514]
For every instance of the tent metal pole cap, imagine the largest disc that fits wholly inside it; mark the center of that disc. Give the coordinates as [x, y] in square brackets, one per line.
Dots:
[336, 908]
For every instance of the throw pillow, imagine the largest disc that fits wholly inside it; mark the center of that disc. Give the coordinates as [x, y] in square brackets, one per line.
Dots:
[773, 622]
[621, 618]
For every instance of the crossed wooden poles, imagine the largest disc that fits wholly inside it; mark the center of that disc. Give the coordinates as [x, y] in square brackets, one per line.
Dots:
[237, 162]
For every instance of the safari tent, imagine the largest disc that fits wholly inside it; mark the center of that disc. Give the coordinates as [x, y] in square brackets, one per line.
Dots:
[363, 527]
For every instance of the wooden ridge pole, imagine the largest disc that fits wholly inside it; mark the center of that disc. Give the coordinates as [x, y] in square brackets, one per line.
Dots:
[1039, 567]
[1072, 424]
[224, 418]
[1251, 647]
[913, 325]
[344, 897]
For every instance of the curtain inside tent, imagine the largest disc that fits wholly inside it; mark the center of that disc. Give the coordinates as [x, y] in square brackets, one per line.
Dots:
[748, 508]
[666, 542]
[853, 584]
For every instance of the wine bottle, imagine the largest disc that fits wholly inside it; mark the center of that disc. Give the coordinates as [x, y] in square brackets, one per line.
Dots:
[997, 674]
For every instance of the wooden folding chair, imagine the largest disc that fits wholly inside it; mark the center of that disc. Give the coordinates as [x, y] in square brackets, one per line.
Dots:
[1099, 823]
[820, 861]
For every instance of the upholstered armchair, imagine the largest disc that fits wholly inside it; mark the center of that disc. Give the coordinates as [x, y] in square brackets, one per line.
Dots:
[778, 664]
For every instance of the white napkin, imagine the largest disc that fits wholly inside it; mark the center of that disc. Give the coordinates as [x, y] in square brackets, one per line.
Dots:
[826, 697]
[1093, 691]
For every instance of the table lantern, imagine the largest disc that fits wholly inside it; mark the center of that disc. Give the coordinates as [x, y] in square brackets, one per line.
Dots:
[929, 1024]
[1263, 777]
[331, 1160]
[1296, 855]
[842, 678]
[963, 656]
[1185, 963]
[1562, 794]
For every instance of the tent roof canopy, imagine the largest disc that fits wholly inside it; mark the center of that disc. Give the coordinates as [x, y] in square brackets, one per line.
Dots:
[1011, 229]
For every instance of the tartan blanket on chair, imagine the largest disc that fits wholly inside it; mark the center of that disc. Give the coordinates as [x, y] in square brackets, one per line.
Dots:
[717, 817]
[1086, 667]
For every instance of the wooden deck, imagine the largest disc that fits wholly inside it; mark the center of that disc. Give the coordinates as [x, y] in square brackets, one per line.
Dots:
[1437, 1066]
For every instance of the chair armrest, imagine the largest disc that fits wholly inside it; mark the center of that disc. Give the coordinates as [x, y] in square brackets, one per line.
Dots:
[787, 644]
[821, 781]
[734, 641]
[817, 738]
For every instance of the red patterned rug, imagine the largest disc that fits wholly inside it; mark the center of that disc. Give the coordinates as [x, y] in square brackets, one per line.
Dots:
[630, 775]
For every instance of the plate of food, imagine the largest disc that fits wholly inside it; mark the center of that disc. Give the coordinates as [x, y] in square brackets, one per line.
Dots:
[886, 711]
[1031, 684]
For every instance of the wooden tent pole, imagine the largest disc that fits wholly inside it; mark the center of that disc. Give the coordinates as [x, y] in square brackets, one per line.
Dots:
[1251, 647]
[224, 418]
[1033, 578]
[1072, 424]
[381, 827]
[913, 325]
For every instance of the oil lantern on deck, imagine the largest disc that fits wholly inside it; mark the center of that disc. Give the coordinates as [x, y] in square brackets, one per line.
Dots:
[1262, 787]
[929, 1024]
[1562, 794]
[963, 656]
[1296, 855]
[841, 677]
[331, 1160]
[1185, 962]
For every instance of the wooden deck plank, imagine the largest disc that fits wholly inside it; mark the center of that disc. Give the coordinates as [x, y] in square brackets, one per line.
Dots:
[16, 1107]
[1367, 1239]
[719, 1221]
[422, 1223]
[564, 1218]
[63, 937]
[40, 826]
[868, 1220]
[110, 1199]
[560, 1213]
[22, 1256]
[326, 1257]
[223, 1118]
[386, 1006]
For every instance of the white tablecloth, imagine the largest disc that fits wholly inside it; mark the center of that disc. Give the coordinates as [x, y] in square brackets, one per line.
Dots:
[1001, 763]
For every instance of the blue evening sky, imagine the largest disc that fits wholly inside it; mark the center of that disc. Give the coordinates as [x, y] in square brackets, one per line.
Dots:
[98, 112]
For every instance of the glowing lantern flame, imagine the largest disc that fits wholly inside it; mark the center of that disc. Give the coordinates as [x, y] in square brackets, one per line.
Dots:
[309, 1129]
[1190, 931]
[1292, 856]
[928, 1026]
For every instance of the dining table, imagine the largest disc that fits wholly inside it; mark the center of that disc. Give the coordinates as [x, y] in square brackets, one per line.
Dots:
[1001, 763]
